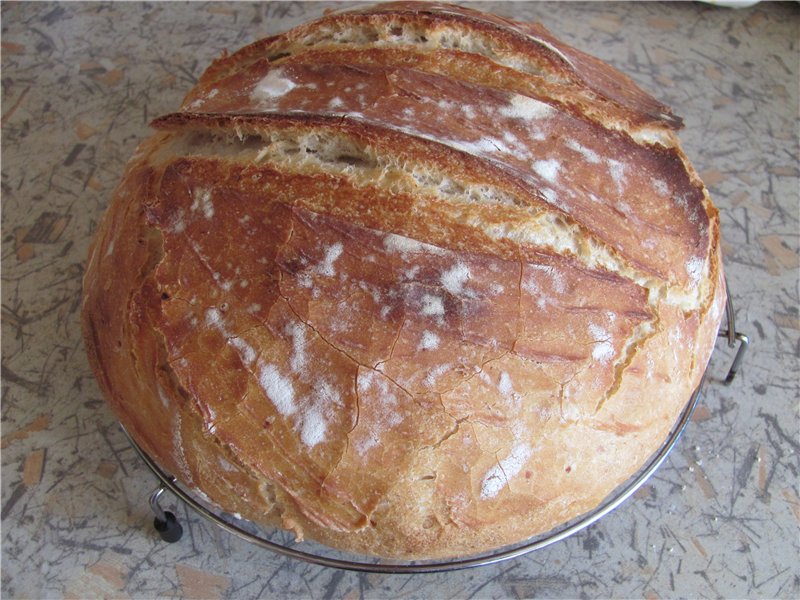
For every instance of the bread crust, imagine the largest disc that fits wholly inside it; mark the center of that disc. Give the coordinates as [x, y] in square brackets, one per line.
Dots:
[338, 309]
[583, 80]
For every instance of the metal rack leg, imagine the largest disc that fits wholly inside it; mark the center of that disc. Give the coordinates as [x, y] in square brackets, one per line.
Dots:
[165, 522]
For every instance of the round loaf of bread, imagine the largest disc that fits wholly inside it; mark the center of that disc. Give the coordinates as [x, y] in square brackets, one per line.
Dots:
[413, 281]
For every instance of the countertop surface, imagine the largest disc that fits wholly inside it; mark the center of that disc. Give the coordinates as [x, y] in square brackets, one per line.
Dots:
[81, 81]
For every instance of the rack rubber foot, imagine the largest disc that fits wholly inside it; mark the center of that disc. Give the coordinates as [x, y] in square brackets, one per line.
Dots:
[169, 530]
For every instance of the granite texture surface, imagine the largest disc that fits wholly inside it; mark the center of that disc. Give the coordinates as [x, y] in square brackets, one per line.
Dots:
[81, 81]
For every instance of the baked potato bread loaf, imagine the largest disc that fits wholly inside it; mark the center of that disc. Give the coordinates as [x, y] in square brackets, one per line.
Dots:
[413, 281]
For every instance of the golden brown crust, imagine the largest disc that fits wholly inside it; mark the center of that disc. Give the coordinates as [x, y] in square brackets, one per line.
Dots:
[577, 78]
[608, 183]
[413, 313]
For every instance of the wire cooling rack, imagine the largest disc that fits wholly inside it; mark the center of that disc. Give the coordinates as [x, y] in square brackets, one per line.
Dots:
[281, 542]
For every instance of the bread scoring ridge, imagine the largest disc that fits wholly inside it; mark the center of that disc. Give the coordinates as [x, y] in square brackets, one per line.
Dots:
[377, 161]
[553, 68]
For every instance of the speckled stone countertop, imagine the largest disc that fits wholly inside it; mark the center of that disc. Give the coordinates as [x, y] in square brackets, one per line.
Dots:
[80, 83]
